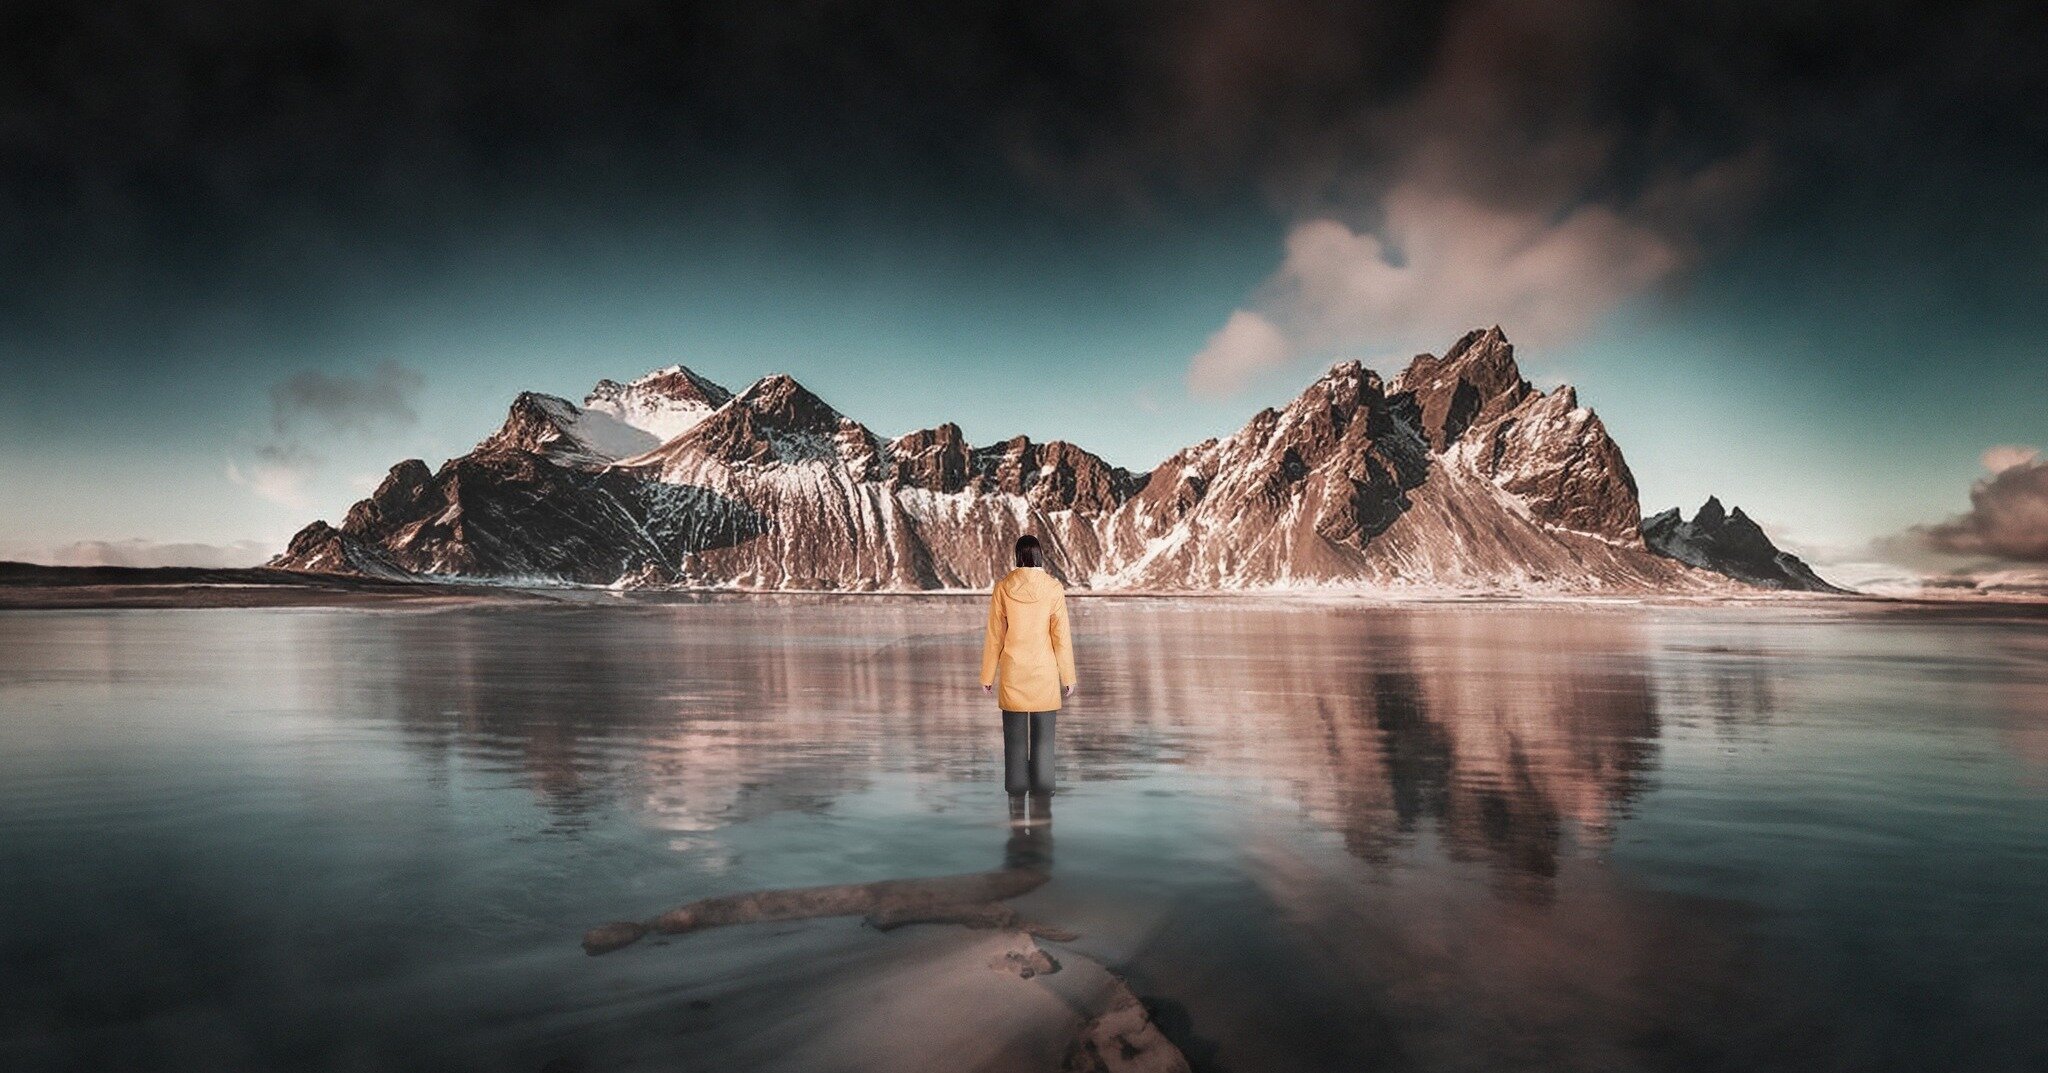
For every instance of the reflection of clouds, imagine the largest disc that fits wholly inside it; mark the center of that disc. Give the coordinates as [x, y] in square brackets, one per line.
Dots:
[2026, 730]
[2023, 703]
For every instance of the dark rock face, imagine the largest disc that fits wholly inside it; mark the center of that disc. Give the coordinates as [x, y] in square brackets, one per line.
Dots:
[935, 459]
[398, 497]
[505, 513]
[1296, 496]
[1455, 474]
[1052, 476]
[1475, 382]
[1545, 449]
[1728, 542]
[533, 426]
[320, 548]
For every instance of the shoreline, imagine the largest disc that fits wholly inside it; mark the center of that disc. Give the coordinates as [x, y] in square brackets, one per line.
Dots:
[31, 587]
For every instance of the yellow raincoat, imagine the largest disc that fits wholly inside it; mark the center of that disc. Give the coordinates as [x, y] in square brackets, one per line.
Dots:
[1027, 641]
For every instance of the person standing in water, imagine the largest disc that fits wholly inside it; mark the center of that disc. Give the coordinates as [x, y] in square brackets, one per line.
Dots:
[1029, 651]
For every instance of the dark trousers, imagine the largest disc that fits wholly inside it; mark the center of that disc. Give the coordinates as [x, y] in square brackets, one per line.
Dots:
[1027, 752]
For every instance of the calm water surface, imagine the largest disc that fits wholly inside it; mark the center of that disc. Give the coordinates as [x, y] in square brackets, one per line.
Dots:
[1441, 838]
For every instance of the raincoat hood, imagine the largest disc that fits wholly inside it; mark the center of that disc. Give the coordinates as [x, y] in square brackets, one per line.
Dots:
[1028, 584]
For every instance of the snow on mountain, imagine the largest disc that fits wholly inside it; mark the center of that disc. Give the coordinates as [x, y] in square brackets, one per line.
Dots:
[1456, 474]
[663, 404]
[555, 427]
[1728, 542]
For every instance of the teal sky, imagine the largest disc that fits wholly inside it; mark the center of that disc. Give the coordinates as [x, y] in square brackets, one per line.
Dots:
[1833, 346]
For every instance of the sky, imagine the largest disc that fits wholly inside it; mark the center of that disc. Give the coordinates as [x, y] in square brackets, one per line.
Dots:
[1796, 255]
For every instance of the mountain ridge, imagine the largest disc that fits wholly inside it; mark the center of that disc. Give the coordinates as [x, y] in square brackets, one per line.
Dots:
[1456, 474]
[1729, 542]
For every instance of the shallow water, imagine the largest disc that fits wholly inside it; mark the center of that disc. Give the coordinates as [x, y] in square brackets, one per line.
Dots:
[1432, 838]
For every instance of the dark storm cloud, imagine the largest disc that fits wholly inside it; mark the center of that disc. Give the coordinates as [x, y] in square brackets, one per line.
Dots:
[2008, 515]
[1554, 159]
[229, 151]
[1527, 102]
[309, 408]
[324, 401]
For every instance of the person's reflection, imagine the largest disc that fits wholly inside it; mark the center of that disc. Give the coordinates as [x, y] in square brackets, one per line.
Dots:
[1030, 846]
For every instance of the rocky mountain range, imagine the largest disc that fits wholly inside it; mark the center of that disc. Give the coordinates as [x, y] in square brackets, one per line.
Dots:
[1728, 542]
[1455, 474]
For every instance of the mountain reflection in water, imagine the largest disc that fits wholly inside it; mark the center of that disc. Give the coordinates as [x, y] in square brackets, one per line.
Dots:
[1340, 837]
[1499, 737]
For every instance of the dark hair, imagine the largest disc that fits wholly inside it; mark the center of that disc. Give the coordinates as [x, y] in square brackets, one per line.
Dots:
[1027, 551]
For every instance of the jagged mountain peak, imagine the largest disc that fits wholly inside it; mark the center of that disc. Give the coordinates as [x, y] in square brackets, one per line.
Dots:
[401, 481]
[1345, 384]
[1729, 542]
[943, 433]
[1475, 382]
[775, 420]
[395, 497]
[676, 383]
[1729, 524]
[1345, 371]
[549, 425]
[533, 422]
[784, 401]
[1483, 346]
[662, 404]
[936, 458]
[1483, 356]
[778, 385]
[1053, 475]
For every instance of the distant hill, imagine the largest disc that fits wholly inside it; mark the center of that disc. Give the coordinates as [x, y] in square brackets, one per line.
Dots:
[32, 585]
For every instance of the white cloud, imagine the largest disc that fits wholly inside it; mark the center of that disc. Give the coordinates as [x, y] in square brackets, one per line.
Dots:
[279, 481]
[1442, 263]
[1247, 345]
[138, 552]
[2007, 455]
